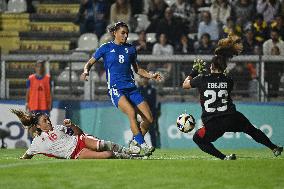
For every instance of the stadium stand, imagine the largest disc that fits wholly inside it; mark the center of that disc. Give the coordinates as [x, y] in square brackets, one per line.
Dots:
[87, 42]
[50, 30]
[17, 6]
[50, 27]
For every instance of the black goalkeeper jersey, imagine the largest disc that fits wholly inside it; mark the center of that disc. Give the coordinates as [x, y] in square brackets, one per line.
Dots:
[215, 95]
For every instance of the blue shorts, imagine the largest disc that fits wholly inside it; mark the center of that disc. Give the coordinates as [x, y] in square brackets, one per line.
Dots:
[132, 94]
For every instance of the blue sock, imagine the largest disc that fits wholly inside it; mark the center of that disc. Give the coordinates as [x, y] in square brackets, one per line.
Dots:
[139, 138]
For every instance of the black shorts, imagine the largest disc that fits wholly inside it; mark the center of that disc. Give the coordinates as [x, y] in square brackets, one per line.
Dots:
[216, 127]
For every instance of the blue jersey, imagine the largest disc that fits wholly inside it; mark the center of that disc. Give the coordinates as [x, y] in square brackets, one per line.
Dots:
[117, 62]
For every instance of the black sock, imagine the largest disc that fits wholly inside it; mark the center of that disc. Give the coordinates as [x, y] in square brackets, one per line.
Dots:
[208, 147]
[260, 137]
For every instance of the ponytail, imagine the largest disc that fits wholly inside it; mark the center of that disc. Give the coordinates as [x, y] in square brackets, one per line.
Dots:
[230, 46]
[226, 48]
[29, 121]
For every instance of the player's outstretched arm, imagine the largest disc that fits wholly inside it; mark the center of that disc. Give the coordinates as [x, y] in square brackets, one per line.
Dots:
[26, 156]
[186, 83]
[144, 73]
[198, 68]
[77, 130]
[87, 69]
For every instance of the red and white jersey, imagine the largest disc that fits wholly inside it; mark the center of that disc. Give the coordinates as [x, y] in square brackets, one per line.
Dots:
[55, 143]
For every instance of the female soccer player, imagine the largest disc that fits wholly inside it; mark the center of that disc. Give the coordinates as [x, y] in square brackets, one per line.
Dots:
[65, 141]
[219, 114]
[118, 57]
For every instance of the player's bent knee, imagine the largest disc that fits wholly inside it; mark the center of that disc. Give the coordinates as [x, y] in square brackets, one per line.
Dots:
[198, 136]
[149, 119]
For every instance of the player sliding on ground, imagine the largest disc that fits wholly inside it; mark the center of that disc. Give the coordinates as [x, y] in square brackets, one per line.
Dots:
[119, 56]
[219, 114]
[65, 141]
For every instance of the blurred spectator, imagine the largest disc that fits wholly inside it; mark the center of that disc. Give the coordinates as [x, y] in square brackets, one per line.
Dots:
[220, 10]
[252, 70]
[184, 11]
[208, 26]
[150, 95]
[249, 42]
[273, 73]
[120, 11]
[260, 29]
[30, 6]
[272, 42]
[3, 5]
[205, 45]
[268, 8]
[231, 27]
[243, 11]
[141, 45]
[185, 45]
[282, 8]
[170, 26]
[197, 4]
[162, 48]
[156, 12]
[278, 24]
[242, 78]
[137, 6]
[92, 16]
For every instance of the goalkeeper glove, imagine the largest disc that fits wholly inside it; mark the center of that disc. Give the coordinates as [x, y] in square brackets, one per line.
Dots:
[198, 67]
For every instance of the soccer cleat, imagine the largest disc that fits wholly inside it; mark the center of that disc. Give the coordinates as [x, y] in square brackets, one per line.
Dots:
[231, 157]
[134, 148]
[147, 150]
[118, 155]
[277, 151]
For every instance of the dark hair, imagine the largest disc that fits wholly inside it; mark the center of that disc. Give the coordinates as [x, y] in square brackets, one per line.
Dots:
[274, 30]
[258, 16]
[219, 62]
[280, 15]
[206, 35]
[116, 26]
[208, 13]
[29, 120]
[40, 62]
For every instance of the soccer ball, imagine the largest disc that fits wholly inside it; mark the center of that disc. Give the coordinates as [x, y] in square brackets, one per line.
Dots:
[185, 123]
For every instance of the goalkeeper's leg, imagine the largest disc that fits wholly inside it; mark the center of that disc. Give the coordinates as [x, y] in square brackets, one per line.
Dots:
[204, 140]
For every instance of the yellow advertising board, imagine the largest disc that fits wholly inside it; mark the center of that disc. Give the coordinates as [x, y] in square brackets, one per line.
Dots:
[9, 40]
[58, 8]
[44, 45]
[54, 26]
[14, 22]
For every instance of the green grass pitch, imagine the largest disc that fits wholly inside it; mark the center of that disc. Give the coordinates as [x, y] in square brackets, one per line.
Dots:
[176, 169]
